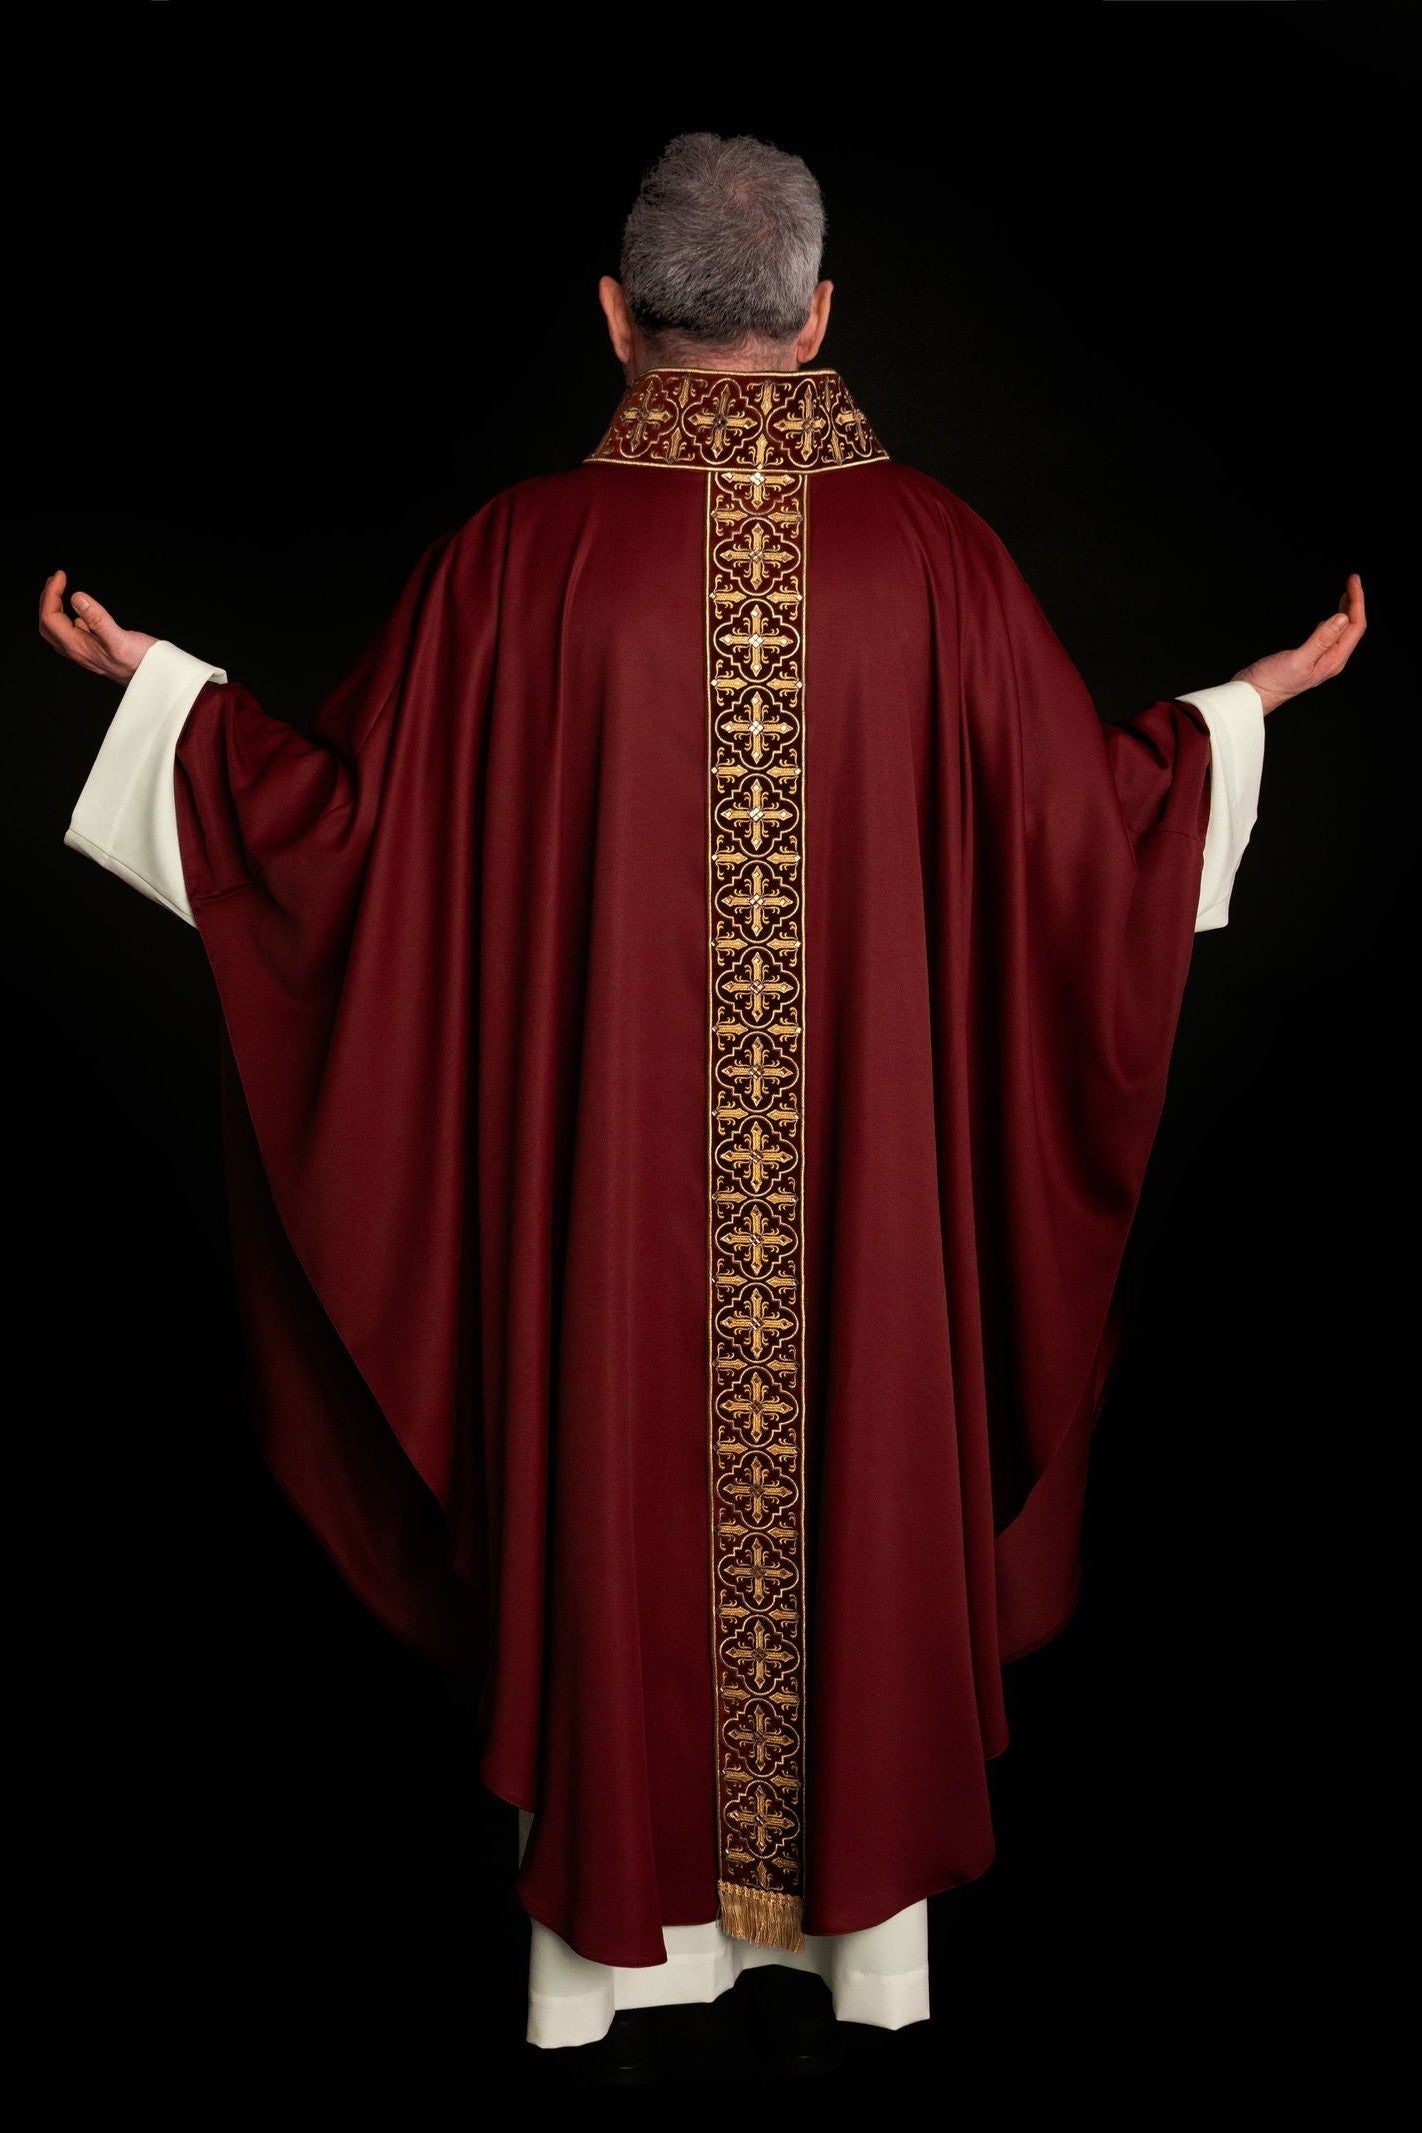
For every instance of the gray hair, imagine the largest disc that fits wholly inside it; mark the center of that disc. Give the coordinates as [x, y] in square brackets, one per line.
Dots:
[723, 242]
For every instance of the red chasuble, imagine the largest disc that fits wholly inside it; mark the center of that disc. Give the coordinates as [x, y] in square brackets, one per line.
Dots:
[699, 1003]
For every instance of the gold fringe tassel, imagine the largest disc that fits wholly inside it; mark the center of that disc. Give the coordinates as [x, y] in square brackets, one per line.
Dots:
[761, 1915]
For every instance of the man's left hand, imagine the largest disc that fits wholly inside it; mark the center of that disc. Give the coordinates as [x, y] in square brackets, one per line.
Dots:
[1318, 658]
[93, 640]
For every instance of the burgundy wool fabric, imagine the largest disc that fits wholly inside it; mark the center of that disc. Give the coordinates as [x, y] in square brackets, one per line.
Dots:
[459, 933]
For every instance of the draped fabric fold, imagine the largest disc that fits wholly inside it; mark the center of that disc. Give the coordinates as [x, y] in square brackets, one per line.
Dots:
[459, 930]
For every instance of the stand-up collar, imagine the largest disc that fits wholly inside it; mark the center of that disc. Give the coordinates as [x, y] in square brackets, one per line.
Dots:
[788, 421]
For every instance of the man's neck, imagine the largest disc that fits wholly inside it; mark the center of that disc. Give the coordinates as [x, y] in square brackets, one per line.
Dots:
[677, 352]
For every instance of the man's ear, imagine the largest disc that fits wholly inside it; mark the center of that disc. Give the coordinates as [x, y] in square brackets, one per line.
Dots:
[619, 318]
[807, 345]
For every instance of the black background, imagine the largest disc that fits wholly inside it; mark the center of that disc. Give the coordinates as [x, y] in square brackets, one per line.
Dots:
[1128, 286]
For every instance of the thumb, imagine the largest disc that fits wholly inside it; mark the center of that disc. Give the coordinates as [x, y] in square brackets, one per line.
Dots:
[97, 620]
[1326, 635]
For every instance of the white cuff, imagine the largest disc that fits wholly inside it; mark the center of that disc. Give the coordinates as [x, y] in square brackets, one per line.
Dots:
[1234, 713]
[127, 818]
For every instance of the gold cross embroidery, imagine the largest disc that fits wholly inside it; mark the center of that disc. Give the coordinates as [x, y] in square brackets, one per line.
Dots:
[643, 414]
[805, 426]
[759, 1407]
[756, 1319]
[758, 558]
[759, 1653]
[761, 1493]
[756, 724]
[760, 988]
[762, 1738]
[761, 1574]
[758, 638]
[759, 1238]
[716, 423]
[760, 901]
[759, 1072]
[762, 1821]
[755, 814]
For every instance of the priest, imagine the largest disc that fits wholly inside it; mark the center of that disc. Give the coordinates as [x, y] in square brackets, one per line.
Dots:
[697, 1003]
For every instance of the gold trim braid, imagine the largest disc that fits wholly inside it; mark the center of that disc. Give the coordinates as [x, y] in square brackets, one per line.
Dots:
[756, 523]
[776, 422]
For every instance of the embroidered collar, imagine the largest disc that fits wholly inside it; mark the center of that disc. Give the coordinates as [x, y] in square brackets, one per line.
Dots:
[784, 421]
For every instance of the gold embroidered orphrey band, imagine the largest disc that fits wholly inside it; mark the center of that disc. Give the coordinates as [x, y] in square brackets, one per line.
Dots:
[760, 437]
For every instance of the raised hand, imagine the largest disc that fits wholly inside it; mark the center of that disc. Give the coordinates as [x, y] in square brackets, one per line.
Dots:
[1318, 658]
[93, 639]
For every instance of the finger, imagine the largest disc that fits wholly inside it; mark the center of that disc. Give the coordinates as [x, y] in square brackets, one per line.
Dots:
[51, 600]
[1355, 617]
[59, 633]
[1323, 642]
[95, 620]
[1351, 604]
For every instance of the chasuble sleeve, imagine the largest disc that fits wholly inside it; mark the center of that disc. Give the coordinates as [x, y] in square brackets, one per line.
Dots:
[1086, 846]
[330, 874]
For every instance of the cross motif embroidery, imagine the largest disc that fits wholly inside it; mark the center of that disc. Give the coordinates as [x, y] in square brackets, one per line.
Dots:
[761, 1573]
[642, 415]
[759, 1071]
[759, 555]
[758, 1156]
[759, 1406]
[759, 901]
[759, 1494]
[761, 1820]
[757, 1322]
[757, 1238]
[760, 1653]
[806, 426]
[755, 813]
[757, 726]
[761, 1739]
[759, 987]
[757, 637]
[720, 422]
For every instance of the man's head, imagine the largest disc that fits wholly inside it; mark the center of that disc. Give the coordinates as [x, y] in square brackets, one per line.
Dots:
[720, 261]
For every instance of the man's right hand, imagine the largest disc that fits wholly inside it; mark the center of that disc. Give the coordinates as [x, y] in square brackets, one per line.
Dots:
[93, 640]
[1317, 659]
